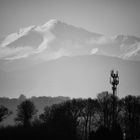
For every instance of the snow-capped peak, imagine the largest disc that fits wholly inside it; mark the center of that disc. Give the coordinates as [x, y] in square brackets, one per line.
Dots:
[14, 36]
[55, 39]
[50, 23]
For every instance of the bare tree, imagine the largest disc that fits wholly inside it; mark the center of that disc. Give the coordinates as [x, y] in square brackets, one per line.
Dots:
[65, 116]
[88, 114]
[4, 112]
[105, 109]
[131, 115]
[25, 112]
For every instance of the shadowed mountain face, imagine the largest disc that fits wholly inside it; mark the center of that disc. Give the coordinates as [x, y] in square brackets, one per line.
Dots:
[60, 59]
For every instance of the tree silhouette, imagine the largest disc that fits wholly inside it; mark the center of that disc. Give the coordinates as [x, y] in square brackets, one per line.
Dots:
[105, 109]
[106, 112]
[78, 118]
[88, 113]
[46, 116]
[25, 112]
[4, 112]
[131, 116]
[63, 118]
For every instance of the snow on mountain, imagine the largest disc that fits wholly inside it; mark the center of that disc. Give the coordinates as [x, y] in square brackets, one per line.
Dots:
[83, 67]
[55, 39]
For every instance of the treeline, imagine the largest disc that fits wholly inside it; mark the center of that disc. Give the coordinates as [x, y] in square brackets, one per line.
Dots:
[77, 119]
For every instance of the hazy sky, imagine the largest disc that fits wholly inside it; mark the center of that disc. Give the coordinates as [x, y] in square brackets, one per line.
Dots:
[109, 17]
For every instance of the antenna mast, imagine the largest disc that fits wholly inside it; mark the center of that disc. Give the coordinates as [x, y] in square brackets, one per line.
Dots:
[114, 81]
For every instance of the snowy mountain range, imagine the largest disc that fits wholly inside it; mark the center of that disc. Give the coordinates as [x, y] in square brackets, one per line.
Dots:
[55, 39]
[57, 59]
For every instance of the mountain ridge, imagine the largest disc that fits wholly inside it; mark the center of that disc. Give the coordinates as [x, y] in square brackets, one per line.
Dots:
[56, 39]
[68, 62]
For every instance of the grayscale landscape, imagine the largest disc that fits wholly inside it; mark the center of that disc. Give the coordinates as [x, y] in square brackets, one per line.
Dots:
[70, 69]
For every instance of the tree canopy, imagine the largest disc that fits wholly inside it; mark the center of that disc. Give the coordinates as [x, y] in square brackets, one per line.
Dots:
[25, 112]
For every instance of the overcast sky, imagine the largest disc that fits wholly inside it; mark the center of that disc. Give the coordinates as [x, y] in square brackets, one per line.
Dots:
[109, 17]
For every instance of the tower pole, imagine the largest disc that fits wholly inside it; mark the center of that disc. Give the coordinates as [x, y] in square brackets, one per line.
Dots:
[114, 81]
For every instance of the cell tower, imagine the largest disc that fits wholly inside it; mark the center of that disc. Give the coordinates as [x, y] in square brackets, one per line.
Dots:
[114, 81]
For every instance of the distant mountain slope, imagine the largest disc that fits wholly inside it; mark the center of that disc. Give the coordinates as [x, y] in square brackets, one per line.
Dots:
[58, 59]
[55, 39]
[40, 103]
